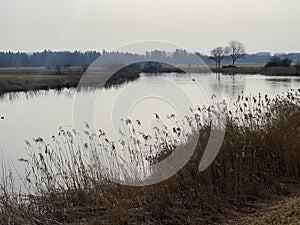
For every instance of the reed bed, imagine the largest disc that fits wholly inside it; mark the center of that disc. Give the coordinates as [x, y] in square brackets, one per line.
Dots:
[68, 181]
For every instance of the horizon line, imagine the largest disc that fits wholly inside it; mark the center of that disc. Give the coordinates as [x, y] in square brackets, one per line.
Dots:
[139, 53]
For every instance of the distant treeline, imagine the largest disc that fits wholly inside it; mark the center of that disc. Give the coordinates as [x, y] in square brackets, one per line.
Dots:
[47, 59]
[53, 59]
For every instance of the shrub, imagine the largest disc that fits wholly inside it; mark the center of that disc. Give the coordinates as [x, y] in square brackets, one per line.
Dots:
[228, 66]
[275, 61]
[297, 67]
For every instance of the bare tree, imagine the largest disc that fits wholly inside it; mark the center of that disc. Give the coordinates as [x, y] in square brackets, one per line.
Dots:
[218, 54]
[236, 50]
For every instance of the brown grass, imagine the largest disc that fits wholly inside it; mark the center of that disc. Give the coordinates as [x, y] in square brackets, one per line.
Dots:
[15, 83]
[259, 159]
[248, 69]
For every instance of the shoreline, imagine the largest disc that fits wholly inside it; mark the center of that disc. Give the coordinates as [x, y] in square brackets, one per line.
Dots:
[252, 172]
[273, 71]
[24, 83]
[31, 79]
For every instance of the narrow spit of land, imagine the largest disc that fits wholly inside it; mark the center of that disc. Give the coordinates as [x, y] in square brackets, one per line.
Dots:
[39, 78]
[27, 79]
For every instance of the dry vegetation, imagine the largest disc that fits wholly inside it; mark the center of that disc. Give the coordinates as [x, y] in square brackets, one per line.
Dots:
[39, 78]
[286, 213]
[259, 160]
[258, 69]
[15, 83]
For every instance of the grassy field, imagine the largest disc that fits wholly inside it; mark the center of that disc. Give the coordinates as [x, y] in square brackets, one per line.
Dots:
[13, 83]
[38, 78]
[42, 71]
[260, 69]
[247, 65]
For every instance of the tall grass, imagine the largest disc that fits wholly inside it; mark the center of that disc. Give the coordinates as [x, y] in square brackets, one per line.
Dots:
[68, 181]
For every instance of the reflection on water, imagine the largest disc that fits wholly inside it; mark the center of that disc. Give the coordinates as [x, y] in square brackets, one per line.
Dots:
[12, 97]
[40, 113]
[282, 80]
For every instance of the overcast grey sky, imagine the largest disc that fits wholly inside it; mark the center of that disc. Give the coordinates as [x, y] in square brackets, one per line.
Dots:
[262, 25]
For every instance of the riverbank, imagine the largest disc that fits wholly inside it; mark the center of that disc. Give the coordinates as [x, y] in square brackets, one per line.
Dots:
[26, 79]
[15, 83]
[286, 211]
[280, 209]
[259, 69]
[259, 161]
[38, 78]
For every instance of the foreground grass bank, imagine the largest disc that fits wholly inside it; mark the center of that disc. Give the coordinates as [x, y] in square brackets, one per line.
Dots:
[284, 214]
[259, 160]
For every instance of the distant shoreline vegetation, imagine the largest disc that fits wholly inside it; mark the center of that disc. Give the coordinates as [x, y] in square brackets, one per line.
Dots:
[37, 78]
[40, 78]
[67, 59]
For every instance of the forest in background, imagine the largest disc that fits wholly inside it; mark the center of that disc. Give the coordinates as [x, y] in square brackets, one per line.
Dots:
[51, 59]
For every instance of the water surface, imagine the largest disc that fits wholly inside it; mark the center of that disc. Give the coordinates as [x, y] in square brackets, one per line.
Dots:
[40, 114]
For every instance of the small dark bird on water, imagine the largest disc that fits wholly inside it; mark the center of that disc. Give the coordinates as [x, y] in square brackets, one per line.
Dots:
[193, 79]
[156, 116]
[2, 117]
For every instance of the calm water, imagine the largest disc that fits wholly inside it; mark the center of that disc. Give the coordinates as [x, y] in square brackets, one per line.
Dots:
[40, 114]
